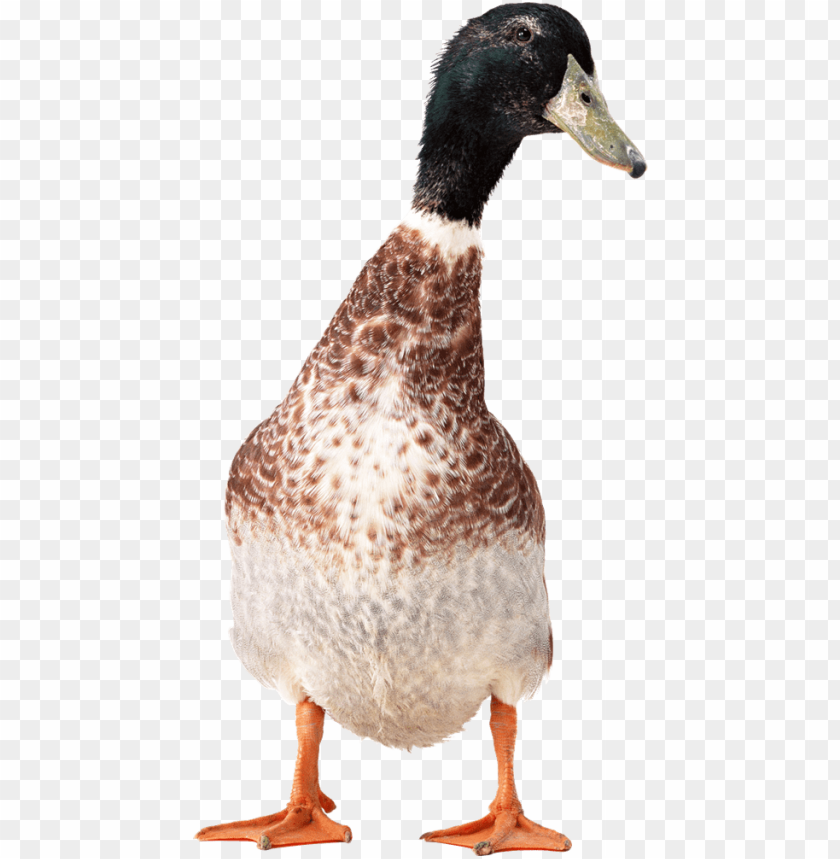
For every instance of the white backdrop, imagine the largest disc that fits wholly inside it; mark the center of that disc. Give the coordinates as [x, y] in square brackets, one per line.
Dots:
[188, 190]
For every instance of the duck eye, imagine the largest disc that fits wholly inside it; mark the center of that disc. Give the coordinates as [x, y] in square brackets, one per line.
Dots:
[584, 97]
[523, 34]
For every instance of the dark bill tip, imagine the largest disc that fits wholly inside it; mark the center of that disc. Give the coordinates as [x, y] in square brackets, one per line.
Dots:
[638, 165]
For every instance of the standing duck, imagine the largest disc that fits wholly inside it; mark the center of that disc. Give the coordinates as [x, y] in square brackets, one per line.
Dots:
[387, 537]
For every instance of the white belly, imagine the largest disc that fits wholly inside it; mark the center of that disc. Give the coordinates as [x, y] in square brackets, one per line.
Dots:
[405, 659]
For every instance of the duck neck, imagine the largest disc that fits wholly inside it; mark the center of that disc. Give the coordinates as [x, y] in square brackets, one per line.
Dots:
[458, 171]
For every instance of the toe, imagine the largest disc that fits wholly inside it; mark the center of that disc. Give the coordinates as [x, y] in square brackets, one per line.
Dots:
[463, 829]
[326, 803]
[240, 830]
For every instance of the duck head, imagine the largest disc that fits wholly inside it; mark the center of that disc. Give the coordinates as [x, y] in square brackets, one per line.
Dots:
[519, 69]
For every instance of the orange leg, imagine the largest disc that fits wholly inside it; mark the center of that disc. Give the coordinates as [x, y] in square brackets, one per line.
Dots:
[505, 827]
[303, 820]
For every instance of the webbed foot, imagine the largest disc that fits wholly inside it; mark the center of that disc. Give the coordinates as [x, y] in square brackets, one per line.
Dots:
[499, 832]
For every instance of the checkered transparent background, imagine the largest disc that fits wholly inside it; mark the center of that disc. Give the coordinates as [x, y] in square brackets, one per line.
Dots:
[188, 190]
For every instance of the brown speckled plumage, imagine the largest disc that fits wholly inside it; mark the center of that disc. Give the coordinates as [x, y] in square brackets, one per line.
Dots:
[411, 321]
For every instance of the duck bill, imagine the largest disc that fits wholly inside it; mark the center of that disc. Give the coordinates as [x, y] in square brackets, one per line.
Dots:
[580, 109]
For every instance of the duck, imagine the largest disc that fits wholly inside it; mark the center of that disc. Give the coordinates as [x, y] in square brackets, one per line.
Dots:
[387, 537]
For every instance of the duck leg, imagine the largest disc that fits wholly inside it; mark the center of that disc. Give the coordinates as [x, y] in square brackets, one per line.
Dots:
[505, 827]
[303, 820]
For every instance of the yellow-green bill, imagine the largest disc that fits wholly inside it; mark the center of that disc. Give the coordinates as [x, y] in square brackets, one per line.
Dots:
[580, 109]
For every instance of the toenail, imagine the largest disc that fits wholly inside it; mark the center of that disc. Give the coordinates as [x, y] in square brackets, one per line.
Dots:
[265, 843]
[568, 844]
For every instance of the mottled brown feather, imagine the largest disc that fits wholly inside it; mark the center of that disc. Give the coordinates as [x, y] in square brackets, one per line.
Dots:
[414, 317]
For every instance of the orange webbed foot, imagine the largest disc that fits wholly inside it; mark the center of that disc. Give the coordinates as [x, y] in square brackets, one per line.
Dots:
[500, 832]
[505, 827]
[304, 819]
[298, 823]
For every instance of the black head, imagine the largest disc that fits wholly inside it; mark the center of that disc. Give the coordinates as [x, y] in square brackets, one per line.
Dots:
[492, 86]
[496, 75]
